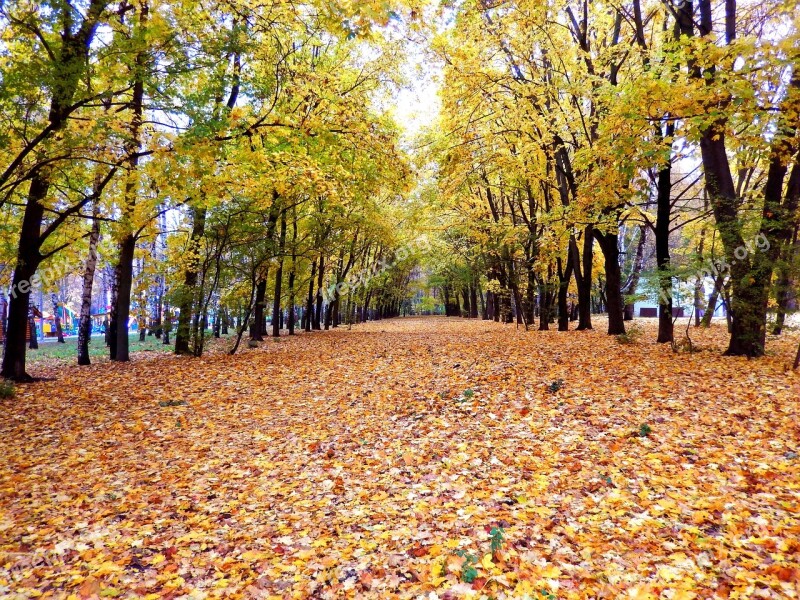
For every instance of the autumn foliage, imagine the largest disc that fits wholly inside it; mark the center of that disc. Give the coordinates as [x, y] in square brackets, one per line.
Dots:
[430, 458]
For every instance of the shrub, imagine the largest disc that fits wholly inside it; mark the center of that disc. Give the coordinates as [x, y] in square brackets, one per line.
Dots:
[631, 336]
[6, 390]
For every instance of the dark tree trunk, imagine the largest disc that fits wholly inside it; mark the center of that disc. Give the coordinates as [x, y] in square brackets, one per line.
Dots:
[609, 244]
[127, 246]
[308, 316]
[188, 292]
[186, 301]
[320, 299]
[582, 269]
[564, 276]
[34, 342]
[292, 275]
[256, 329]
[473, 302]
[121, 310]
[663, 219]
[28, 260]
[276, 305]
[67, 71]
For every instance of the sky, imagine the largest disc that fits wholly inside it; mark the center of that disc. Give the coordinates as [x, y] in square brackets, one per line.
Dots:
[417, 106]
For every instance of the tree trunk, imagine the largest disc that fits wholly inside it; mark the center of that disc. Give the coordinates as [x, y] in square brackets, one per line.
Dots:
[308, 317]
[57, 319]
[186, 298]
[719, 281]
[609, 244]
[256, 334]
[68, 70]
[582, 269]
[663, 259]
[564, 276]
[633, 281]
[127, 246]
[34, 343]
[28, 260]
[85, 321]
[276, 304]
[120, 313]
[320, 299]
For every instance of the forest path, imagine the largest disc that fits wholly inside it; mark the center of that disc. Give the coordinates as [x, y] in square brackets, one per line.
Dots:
[359, 462]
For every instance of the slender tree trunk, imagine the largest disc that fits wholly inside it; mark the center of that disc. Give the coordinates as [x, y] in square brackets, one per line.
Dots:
[34, 341]
[292, 275]
[785, 289]
[564, 276]
[276, 306]
[57, 319]
[636, 272]
[308, 317]
[85, 321]
[582, 268]
[186, 301]
[719, 281]
[320, 298]
[663, 220]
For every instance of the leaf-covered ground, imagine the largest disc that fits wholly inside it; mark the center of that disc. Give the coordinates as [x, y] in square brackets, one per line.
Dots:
[411, 458]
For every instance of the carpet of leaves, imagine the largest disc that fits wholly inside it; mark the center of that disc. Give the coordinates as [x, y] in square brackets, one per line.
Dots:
[413, 458]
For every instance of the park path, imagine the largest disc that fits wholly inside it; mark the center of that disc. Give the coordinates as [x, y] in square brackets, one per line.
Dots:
[379, 462]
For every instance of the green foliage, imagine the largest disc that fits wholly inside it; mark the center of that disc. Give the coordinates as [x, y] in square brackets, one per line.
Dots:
[631, 336]
[7, 390]
[468, 571]
[497, 536]
[170, 403]
[645, 430]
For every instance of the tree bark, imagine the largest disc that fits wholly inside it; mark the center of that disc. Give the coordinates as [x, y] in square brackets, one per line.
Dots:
[320, 299]
[256, 329]
[67, 72]
[276, 305]
[186, 300]
[636, 271]
[85, 321]
[582, 269]
[663, 260]
[308, 317]
[609, 244]
[127, 245]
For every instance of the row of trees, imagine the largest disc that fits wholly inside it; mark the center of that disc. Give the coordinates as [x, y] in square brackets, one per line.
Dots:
[219, 157]
[574, 126]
